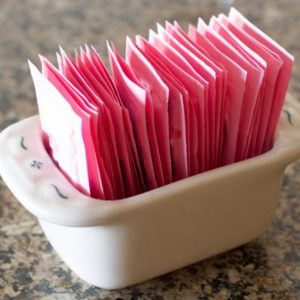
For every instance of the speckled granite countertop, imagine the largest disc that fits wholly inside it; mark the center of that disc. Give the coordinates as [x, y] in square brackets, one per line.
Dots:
[268, 268]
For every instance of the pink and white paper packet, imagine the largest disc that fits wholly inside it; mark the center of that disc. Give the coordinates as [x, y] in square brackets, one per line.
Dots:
[179, 104]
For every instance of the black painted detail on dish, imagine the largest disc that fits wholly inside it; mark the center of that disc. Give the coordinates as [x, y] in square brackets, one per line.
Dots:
[35, 164]
[289, 116]
[22, 143]
[59, 193]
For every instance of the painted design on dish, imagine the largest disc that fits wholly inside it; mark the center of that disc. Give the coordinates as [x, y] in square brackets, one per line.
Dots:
[59, 192]
[35, 164]
[22, 143]
[289, 116]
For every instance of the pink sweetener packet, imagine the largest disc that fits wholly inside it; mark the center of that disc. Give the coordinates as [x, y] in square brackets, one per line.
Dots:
[130, 141]
[220, 84]
[176, 109]
[273, 65]
[208, 76]
[62, 131]
[100, 66]
[187, 75]
[133, 97]
[252, 86]
[72, 93]
[255, 80]
[173, 71]
[98, 180]
[251, 142]
[190, 64]
[129, 174]
[183, 86]
[106, 131]
[93, 56]
[89, 99]
[159, 96]
[129, 163]
[87, 113]
[283, 77]
[236, 80]
[133, 165]
[151, 131]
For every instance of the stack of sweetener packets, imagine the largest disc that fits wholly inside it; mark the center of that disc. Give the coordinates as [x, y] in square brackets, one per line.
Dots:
[179, 104]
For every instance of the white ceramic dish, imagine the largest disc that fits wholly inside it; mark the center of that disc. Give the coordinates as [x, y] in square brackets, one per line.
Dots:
[120, 243]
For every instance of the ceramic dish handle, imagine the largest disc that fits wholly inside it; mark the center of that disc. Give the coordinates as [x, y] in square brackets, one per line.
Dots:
[35, 180]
